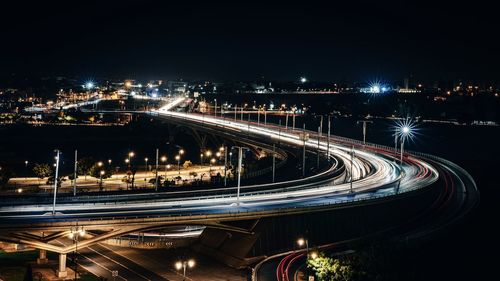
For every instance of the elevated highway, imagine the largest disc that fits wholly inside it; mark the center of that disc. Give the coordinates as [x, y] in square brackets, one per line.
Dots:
[357, 175]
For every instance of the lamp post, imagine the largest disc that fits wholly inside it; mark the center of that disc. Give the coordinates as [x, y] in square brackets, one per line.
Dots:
[101, 173]
[240, 159]
[208, 153]
[304, 241]
[178, 158]
[184, 264]
[201, 159]
[146, 162]
[223, 148]
[130, 155]
[164, 161]
[405, 132]
[212, 161]
[74, 234]
[55, 182]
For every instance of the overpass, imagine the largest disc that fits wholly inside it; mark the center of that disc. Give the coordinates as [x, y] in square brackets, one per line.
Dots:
[358, 175]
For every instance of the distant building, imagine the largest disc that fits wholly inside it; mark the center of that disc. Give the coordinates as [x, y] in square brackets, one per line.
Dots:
[176, 87]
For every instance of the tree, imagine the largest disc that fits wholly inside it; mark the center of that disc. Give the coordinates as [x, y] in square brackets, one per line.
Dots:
[337, 269]
[95, 171]
[42, 170]
[84, 166]
[187, 164]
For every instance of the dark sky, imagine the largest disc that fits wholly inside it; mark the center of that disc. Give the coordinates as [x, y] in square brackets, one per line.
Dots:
[244, 40]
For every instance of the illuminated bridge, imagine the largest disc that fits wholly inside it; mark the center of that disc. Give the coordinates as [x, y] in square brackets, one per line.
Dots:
[362, 190]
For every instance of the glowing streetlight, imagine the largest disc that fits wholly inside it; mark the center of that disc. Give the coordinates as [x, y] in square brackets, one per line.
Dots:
[183, 265]
[303, 241]
[405, 132]
[181, 151]
[313, 255]
[101, 173]
[109, 161]
[99, 164]
[89, 85]
[164, 160]
[146, 162]
[178, 158]
[303, 80]
[212, 161]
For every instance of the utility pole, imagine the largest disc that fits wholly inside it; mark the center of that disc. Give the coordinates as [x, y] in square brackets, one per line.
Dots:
[74, 172]
[265, 117]
[352, 164]
[317, 152]
[215, 108]
[395, 142]
[293, 121]
[240, 158]
[328, 139]
[304, 151]
[242, 113]
[258, 116]
[156, 173]
[225, 165]
[321, 126]
[364, 129]
[235, 112]
[279, 131]
[55, 182]
[286, 121]
[274, 161]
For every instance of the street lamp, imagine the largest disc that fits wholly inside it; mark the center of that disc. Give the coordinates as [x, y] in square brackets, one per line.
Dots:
[240, 159]
[212, 161]
[146, 162]
[130, 155]
[183, 265]
[74, 234]
[303, 241]
[101, 173]
[178, 158]
[201, 159]
[26, 167]
[164, 160]
[405, 132]
[109, 161]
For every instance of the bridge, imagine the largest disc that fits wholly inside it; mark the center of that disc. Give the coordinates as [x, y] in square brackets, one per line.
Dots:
[356, 178]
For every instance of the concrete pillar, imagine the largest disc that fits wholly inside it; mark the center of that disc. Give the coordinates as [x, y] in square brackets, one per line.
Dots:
[61, 272]
[42, 257]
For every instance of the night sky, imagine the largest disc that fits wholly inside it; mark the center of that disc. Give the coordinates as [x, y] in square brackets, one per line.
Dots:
[246, 40]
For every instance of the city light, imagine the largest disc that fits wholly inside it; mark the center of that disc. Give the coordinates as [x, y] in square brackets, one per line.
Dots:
[313, 255]
[301, 242]
[178, 265]
[405, 129]
[89, 85]
[303, 79]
